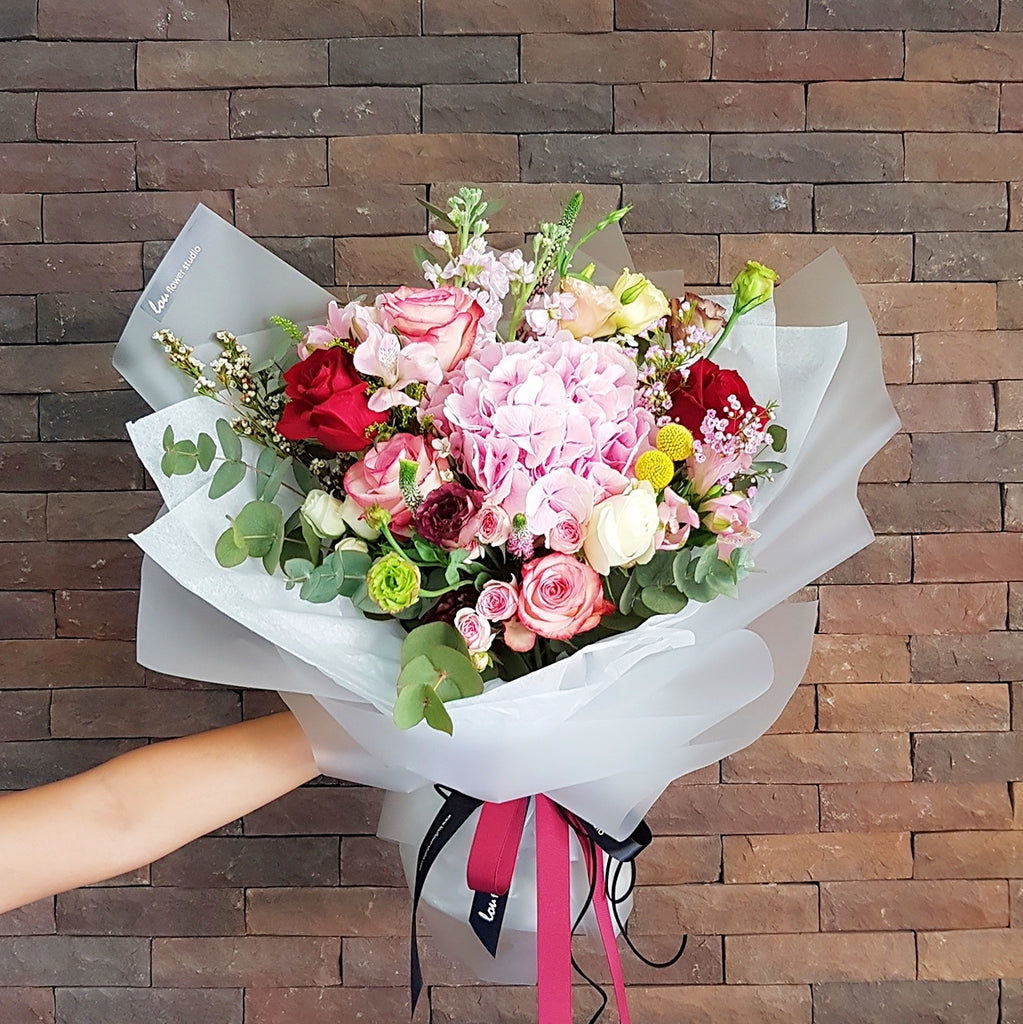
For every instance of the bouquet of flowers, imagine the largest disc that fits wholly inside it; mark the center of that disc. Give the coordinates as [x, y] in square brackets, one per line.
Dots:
[474, 534]
[514, 462]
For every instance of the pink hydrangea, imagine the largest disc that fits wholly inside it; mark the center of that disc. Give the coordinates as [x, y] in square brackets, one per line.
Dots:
[514, 413]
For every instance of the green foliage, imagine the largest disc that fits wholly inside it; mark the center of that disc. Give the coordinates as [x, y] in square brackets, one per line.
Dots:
[230, 442]
[779, 437]
[290, 329]
[341, 573]
[226, 478]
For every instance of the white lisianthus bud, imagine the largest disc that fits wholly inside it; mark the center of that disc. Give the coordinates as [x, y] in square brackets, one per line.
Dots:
[352, 544]
[353, 515]
[623, 529]
[323, 513]
[642, 304]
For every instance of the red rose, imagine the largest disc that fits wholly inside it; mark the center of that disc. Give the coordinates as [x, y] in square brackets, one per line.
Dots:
[327, 402]
[708, 386]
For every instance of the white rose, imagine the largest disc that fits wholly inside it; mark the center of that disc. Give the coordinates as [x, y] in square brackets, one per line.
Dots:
[352, 544]
[353, 516]
[323, 513]
[623, 529]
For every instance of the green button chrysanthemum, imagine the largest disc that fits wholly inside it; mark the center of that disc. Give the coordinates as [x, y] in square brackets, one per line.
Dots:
[393, 582]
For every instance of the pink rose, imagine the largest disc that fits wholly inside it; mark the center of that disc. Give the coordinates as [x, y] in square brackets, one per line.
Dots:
[475, 630]
[518, 637]
[498, 600]
[677, 518]
[374, 479]
[493, 525]
[561, 597]
[446, 318]
[566, 535]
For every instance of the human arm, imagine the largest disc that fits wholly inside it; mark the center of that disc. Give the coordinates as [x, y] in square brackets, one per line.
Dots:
[144, 804]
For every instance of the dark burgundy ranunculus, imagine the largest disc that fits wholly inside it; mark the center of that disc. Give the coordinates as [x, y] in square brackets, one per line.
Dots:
[327, 402]
[442, 516]
[708, 386]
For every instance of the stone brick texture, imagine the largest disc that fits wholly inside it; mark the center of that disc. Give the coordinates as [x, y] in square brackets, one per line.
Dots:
[863, 862]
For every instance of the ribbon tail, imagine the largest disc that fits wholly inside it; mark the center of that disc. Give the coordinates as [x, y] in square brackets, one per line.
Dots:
[553, 908]
[607, 938]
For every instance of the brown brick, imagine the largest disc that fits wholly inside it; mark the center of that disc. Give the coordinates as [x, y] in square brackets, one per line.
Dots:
[870, 257]
[84, 317]
[18, 19]
[22, 517]
[168, 1006]
[981, 355]
[912, 1002]
[325, 1005]
[921, 308]
[125, 216]
[902, 106]
[20, 219]
[932, 156]
[817, 56]
[914, 14]
[816, 857]
[1014, 507]
[19, 418]
[26, 1005]
[93, 465]
[17, 319]
[44, 566]
[1011, 109]
[93, 416]
[886, 560]
[24, 715]
[346, 810]
[59, 268]
[725, 909]
[817, 156]
[423, 159]
[236, 861]
[48, 960]
[913, 806]
[983, 658]
[707, 14]
[493, 16]
[1010, 304]
[35, 65]
[712, 208]
[419, 60]
[520, 207]
[970, 955]
[231, 65]
[99, 515]
[734, 809]
[773, 959]
[517, 108]
[913, 707]
[669, 860]
[822, 757]
[969, 855]
[709, 106]
[116, 116]
[936, 408]
[379, 260]
[343, 911]
[968, 557]
[147, 910]
[252, 960]
[968, 757]
[26, 616]
[964, 57]
[618, 57]
[799, 715]
[614, 158]
[891, 463]
[963, 457]
[323, 111]
[1010, 405]
[139, 712]
[338, 210]
[40, 664]
[968, 255]
[366, 860]
[232, 164]
[858, 659]
[134, 19]
[695, 255]
[913, 905]
[17, 117]
[53, 167]
[100, 615]
[69, 368]
[911, 206]
[971, 608]
[266, 19]
[935, 508]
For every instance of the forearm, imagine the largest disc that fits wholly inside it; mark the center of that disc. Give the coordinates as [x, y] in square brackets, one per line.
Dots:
[144, 804]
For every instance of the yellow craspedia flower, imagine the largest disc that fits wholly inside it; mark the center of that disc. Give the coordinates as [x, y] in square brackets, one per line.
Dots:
[675, 441]
[656, 467]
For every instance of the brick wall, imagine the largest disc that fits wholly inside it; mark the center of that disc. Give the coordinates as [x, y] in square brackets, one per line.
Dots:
[861, 862]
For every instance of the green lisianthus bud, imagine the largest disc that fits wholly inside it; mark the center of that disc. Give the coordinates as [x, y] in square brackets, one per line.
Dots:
[377, 518]
[393, 582]
[753, 285]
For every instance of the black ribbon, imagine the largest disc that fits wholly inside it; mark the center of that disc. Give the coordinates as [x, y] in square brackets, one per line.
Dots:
[487, 917]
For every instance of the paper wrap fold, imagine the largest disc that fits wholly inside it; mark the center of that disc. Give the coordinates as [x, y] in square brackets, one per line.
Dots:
[602, 732]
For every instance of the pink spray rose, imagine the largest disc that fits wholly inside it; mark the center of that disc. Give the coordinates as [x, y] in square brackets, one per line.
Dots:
[498, 600]
[566, 535]
[446, 318]
[493, 525]
[561, 597]
[374, 479]
[475, 630]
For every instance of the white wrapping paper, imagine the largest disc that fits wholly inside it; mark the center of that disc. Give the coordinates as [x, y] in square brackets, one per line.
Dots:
[602, 732]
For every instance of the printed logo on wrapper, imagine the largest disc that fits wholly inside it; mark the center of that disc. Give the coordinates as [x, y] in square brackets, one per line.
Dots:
[165, 283]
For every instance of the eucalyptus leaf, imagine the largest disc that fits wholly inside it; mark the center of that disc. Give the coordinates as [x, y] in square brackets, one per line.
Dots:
[303, 477]
[310, 538]
[679, 566]
[206, 451]
[437, 716]
[276, 478]
[410, 705]
[629, 595]
[353, 564]
[230, 442]
[426, 638]
[768, 467]
[779, 437]
[264, 467]
[271, 560]
[167, 463]
[704, 564]
[168, 438]
[226, 478]
[227, 551]
[663, 600]
[298, 569]
[259, 526]
[455, 668]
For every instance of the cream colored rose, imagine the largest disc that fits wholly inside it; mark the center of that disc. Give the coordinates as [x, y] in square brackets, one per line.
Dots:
[324, 513]
[354, 516]
[641, 303]
[623, 529]
[352, 544]
[594, 308]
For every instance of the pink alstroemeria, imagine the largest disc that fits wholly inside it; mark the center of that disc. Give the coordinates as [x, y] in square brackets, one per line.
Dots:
[382, 355]
[677, 518]
[351, 321]
[715, 468]
[728, 516]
